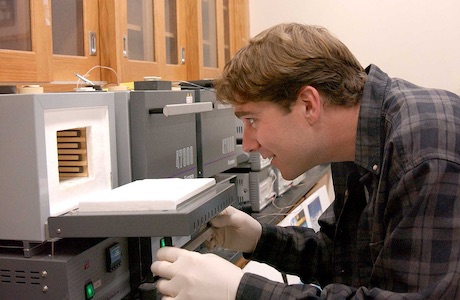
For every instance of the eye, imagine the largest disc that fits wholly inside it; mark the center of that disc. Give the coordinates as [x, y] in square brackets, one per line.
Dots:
[249, 121]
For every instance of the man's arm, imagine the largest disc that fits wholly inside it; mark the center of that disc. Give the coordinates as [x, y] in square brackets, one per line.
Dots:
[420, 253]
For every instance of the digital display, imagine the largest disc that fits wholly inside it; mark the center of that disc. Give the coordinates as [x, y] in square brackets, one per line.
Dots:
[113, 257]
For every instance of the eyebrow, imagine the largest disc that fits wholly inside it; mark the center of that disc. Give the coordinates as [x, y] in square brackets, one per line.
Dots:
[240, 114]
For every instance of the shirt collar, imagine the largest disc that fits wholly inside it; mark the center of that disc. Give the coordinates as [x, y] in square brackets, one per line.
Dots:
[369, 146]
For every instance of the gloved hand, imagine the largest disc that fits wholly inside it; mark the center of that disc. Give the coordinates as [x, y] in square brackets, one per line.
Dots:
[190, 275]
[235, 230]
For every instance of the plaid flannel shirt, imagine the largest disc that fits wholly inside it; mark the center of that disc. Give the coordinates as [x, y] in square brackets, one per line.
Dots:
[395, 234]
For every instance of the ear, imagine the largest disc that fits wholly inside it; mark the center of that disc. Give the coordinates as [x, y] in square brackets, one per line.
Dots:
[310, 101]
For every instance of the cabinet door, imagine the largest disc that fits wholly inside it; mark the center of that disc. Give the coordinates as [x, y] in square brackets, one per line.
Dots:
[75, 31]
[212, 33]
[25, 41]
[141, 51]
[129, 32]
[173, 17]
[204, 38]
[236, 27]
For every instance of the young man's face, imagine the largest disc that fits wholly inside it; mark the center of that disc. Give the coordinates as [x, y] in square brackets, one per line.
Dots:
[279, 135]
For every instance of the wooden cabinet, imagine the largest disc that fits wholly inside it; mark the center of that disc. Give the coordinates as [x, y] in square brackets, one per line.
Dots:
[25, 42]
[48, 41]
[119, 40]
[144, 39]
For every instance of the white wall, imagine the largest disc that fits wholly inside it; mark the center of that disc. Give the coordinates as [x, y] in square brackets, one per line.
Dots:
[418, 40]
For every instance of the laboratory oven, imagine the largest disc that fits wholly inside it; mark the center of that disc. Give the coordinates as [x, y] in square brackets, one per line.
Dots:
[216, 135]
[68, 269]
[166, 134]
[60, 150]
[163, 134]
[56, 148]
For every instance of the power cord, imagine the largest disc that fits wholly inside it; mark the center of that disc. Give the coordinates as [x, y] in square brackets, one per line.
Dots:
[89, 82]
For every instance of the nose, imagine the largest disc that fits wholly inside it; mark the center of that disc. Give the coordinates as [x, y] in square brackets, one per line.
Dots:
[250, 142]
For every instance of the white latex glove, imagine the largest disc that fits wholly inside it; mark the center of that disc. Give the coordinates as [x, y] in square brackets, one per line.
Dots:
[235, 230]
[190, 275]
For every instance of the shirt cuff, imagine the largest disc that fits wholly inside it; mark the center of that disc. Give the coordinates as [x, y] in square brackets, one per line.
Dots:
[264, 242]
[253, 287]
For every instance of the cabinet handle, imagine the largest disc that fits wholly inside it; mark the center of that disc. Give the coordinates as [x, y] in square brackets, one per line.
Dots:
[92, 44]
[125, 46]
[182, 55]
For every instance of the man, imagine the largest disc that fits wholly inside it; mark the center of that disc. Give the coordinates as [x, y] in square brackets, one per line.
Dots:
[395, 233]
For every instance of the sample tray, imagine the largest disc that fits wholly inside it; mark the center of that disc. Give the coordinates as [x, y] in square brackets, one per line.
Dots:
[184, 221]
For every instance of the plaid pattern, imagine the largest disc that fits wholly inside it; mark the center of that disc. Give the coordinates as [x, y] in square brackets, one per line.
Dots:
[395, 234]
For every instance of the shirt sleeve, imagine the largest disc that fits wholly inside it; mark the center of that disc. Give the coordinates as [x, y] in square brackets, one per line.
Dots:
[419, 255]
[253, 287]
[292, 250]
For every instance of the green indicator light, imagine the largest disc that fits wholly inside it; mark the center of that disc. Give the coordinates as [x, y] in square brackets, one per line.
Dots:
[165, 241]
[89, 290]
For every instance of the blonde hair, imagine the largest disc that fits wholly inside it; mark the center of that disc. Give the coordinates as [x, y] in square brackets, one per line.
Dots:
[279, 61]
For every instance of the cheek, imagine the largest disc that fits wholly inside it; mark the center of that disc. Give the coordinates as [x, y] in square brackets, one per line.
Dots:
[268, 136]
[277, 135]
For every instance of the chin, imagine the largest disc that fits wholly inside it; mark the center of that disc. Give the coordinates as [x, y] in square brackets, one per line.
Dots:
[290, 176]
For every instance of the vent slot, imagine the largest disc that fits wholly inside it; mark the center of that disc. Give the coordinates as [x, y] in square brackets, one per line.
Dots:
[19, 277]
[72, 153]
[5, 276]
[239, 129]
[211, 213]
